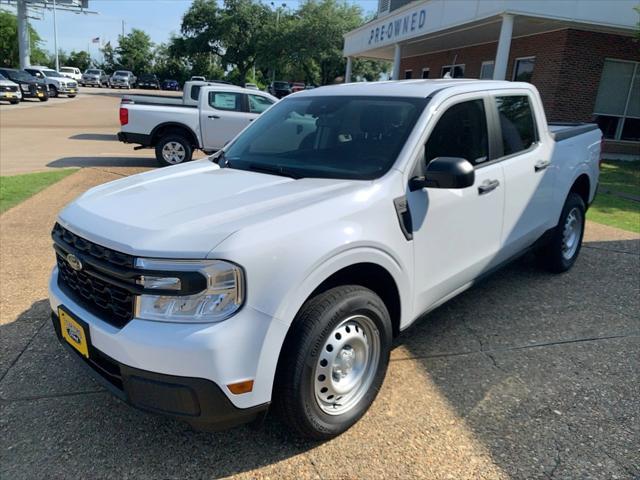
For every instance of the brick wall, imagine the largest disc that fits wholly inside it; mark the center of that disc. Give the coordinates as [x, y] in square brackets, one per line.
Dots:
[567, 69]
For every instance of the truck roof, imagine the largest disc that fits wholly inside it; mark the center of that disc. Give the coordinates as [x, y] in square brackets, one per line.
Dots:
[408, 88]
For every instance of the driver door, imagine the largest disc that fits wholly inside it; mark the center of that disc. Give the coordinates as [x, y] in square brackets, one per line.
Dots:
[457, 232]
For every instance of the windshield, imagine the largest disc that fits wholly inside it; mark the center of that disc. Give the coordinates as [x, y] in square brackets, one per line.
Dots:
[121, 74]
[280, 85]
[51, 73]
[147, 76]
[20, 76]
[92, 72]
[328, 137]
[66, 69]
[2, 77]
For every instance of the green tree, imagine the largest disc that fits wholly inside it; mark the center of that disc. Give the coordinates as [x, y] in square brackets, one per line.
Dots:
[232, 32]
[81, 60]
[108, 63]
[9, 56]
[135, 51]
[169, 66]
[370, 70]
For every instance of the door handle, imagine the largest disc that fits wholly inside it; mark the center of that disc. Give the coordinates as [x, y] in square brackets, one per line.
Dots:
[214, 116]
[487, 186]
[541, 165]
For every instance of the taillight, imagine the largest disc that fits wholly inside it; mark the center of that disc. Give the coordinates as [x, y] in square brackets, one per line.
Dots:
[124, 116]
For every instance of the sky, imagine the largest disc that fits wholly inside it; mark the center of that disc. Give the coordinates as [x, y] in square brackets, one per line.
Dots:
[159, 18]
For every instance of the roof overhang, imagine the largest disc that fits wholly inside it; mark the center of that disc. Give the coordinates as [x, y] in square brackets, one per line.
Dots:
[435, 25]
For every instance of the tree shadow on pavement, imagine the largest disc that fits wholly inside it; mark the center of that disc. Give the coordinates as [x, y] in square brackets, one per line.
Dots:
[542, 369]
[104, 162]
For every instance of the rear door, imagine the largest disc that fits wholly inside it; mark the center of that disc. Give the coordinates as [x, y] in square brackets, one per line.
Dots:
[529, 173]
[222, 116]
[457, 231]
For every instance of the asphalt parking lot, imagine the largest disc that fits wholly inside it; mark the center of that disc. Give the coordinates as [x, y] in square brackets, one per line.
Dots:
[527, 375]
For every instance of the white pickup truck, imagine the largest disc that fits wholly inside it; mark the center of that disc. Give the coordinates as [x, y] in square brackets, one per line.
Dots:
[176, 126]
[281, 274]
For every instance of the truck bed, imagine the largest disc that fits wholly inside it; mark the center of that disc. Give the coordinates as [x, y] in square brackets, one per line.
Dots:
[565, 130]
[158, 100]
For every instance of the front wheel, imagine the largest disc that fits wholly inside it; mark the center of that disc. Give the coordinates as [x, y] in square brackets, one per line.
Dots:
[333, 362]
[43, 99]
[53, 92]
[71, 96]
[172, 150]
[562, 251]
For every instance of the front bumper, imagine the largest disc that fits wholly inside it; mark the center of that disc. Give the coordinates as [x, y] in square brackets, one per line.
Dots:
[197, 401]
[189, 364]
[10, 95]
[68, 90]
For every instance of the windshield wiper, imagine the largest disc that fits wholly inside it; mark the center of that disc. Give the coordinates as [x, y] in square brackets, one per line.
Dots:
[274, 170]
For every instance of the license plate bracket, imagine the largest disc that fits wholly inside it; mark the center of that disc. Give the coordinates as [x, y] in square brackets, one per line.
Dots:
[74, 331]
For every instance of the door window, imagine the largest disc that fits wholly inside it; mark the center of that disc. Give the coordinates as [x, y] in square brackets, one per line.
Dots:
[258, 103]
[461, 132]
[226, 101]
[516, 123]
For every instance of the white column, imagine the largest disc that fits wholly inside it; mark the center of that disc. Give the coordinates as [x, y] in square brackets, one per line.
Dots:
[23, 34]
[504, 44]
[347, 73]
[397, 56]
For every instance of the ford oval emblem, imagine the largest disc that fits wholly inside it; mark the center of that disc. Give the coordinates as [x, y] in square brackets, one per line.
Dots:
[74, 262]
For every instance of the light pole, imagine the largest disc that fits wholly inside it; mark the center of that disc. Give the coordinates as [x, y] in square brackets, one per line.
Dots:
[55, 36]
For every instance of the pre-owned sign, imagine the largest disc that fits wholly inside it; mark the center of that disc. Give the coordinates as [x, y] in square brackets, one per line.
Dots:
[398, 27]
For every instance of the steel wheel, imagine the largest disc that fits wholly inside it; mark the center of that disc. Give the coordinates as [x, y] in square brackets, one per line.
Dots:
[347, 365]
[571, 233]
[173, 153]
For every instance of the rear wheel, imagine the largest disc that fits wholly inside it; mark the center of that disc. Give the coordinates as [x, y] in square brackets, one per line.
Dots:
[562, 251]
[333, 362]
[172, 150]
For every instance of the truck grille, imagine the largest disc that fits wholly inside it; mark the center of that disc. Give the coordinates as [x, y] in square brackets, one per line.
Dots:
[10, 88]
[94, 290]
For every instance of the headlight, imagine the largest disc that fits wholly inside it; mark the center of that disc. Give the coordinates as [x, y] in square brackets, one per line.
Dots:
[222, 297]
[24, 86]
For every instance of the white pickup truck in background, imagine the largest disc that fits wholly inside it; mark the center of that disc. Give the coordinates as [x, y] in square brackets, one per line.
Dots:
[280, 275]
[176, 126]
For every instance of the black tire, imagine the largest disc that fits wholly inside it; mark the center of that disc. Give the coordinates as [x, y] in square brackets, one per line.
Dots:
[555, 255]
[179, 139]
[15, 102]
[294, 395]
[71, 96]
[53, 92]
[43, 99]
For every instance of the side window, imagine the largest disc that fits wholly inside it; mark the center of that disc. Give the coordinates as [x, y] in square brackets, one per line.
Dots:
[258, 103]
[226, 101]
[195, 91]
[516, 123]
[461, 132]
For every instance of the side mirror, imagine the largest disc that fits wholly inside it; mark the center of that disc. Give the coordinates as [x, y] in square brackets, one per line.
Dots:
[445, 172]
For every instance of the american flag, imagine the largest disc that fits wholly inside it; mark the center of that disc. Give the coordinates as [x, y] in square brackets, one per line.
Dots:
[95, 40]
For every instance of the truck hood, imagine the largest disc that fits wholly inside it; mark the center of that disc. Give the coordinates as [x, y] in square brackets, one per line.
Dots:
[187, 210]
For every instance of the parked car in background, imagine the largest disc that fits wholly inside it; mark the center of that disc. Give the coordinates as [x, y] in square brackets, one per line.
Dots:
[176, 130]
[279, 89]
[148, 80]
[57, 83]
[95, 77]
[297, 86]
[171, 85]
[251, 86]
[282, 275]
[9, 91]
[123, 79]
[71, 72]
[30, 86]
[198, 78]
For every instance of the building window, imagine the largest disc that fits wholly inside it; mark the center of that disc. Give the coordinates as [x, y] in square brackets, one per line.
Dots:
[408, 74]
[425, 73]
[486, 70]
[384, 6]
[456, 71]
[523, 69]
[617, 108]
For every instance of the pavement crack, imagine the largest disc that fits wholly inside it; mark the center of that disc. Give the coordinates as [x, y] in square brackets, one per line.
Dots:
[46, 397]
[15, 360]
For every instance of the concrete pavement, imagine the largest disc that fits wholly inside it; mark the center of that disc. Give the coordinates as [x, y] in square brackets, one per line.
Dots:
[527, 375]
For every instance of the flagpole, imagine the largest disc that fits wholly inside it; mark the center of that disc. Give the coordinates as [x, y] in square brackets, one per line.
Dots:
[55, 36]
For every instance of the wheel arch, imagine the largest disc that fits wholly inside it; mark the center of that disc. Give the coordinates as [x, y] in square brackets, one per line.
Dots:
[164, 128]
[582, 186]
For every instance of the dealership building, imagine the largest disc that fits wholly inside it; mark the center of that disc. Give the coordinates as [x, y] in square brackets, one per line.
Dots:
[582, 55]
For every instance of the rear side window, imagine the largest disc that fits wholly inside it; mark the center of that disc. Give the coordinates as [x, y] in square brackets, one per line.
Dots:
[516, 123]
[461, 132]
[258, 103]
[226, 101]
[195, 92]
